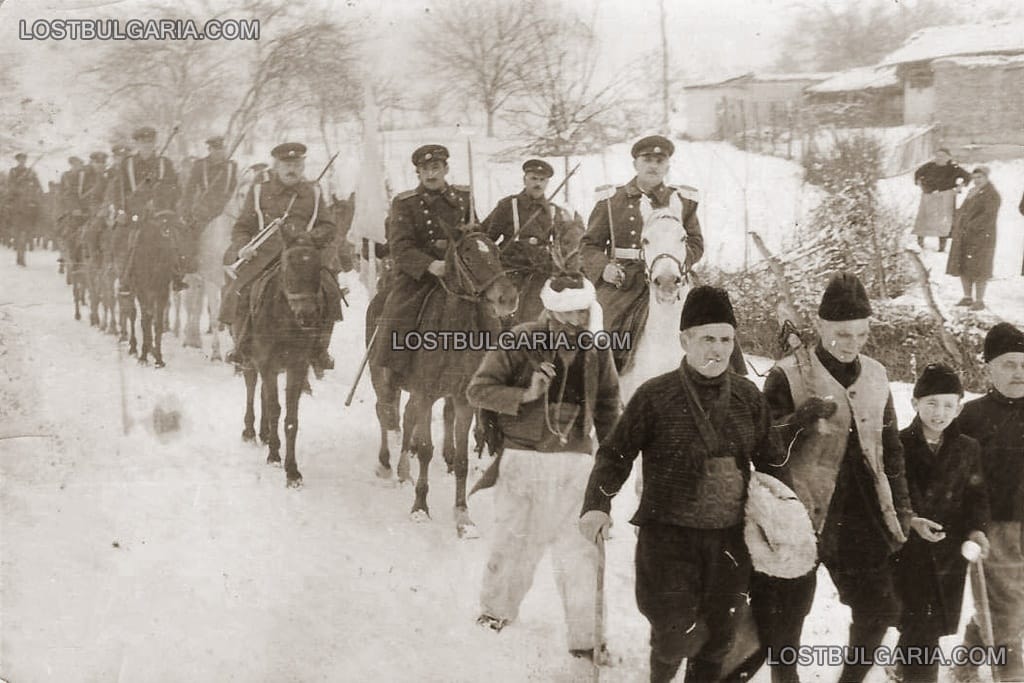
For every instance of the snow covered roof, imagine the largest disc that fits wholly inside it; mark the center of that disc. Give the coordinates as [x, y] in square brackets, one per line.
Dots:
[988, 61]
[861, 78]
[751, 77]
[965, 39]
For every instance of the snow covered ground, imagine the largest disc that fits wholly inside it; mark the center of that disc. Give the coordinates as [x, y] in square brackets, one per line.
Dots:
[139, 557]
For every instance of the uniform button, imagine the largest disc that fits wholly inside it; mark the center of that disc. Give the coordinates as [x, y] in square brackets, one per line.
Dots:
[632, 218]
[632, 232]
[425, 211]
[428, 221]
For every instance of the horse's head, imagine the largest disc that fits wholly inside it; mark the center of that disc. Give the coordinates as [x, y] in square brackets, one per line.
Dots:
[473, 269]
[663, 247]
[300, 278]
[567, 246]
[163, 226]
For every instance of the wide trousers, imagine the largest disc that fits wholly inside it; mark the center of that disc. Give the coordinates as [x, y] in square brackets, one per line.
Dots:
[538, 498]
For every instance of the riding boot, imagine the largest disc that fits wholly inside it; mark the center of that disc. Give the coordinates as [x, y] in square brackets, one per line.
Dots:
[240, 354]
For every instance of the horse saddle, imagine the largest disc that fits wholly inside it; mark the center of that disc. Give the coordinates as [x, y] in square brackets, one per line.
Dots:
[261, 286]
[330, 292]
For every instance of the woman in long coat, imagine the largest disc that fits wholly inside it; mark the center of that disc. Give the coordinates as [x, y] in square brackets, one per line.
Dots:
[974, 239]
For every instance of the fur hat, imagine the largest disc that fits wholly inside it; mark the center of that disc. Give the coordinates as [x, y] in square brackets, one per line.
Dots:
[777, 529]
[844, 299]
[1003, 338]
[706, 305]
[572, 292]
[938, 379]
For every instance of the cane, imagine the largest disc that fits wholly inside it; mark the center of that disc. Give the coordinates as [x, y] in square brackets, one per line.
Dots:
[986, 614]
[599, 608]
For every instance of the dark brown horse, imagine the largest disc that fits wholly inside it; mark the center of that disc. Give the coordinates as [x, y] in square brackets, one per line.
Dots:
[530, 266]
[149, 278]
[472, 297]
[288, 309]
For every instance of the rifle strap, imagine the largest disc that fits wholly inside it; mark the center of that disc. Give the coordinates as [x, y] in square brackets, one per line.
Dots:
[259, 211]
[256, 203]
[515, 218]
[316, 207]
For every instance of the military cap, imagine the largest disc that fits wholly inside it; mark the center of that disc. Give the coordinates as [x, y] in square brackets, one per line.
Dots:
[20, 155]
[289, 151]
[74, 160]
[215, 142]
[538, 166]
[259, 166]
[118, 150]
[653, 144]
[98, 156]
[429, 153]
[144, 133]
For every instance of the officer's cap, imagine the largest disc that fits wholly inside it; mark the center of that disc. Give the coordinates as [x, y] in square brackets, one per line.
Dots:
[144, 134]
[215, 142]
[20, 156]
[653, 144]
[98, 156]
[74, 160]
[119, 150]
[289, 151]
[429, 153]
[538, 166]
[259, 166]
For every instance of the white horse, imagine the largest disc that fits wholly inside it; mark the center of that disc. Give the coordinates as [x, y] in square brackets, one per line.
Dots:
[209, 277]
[663, 249]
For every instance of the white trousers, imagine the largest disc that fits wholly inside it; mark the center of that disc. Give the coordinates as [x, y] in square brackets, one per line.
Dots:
[538, 498]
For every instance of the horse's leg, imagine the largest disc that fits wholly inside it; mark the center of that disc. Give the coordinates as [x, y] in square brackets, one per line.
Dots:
[463, 420]
[271, 412]
[146, 321]
[193, 311]
[448, 448]
[386, 407]
[177, 314]
[292, 392]
[249, 432]
[158, 331]
[213, 310]
[74, 295]
[424, 449]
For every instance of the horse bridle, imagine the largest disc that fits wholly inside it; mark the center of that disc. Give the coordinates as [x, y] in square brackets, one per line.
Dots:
[684, 270]
[465, 275]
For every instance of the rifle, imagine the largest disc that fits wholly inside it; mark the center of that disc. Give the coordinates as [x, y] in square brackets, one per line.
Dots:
[362, 367]
[606, 192]
[552, 196]
[472, 201]
[270, 228]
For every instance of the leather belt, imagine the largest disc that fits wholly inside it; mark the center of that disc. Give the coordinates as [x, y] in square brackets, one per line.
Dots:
[630, 254]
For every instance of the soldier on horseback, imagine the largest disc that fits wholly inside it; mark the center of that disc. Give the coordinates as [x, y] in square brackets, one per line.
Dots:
[211, 184]
[281, 193]
[22, 203]
[146, 177]
[422, 222]
[527, 225]
[72, 212]
[612, 249]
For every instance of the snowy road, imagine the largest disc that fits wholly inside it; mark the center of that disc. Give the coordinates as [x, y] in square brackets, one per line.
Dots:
[131, 558]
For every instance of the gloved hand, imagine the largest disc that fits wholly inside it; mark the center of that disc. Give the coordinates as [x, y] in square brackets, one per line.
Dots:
[594, 522]
[613, 274]
[814, 408]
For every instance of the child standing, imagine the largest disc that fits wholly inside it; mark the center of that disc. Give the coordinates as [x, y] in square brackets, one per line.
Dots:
[996, 420]
[947, 490]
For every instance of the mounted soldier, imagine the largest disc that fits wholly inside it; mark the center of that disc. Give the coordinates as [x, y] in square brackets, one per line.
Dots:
[211, 183]
[611, 248]
[281, 194]
[70, 214]
[526, 226]
[421, 225]
[90, 191]
[148, 182]
[22, 203]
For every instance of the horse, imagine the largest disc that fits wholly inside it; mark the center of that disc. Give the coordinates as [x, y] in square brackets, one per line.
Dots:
[150, 278]
[474, 294]
[77, 268]
[97, 240]
[530, 273]
[663, 251]
[208, 279]
[287, 312]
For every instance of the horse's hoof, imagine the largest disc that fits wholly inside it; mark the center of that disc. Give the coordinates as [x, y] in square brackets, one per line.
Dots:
[274, 460]
[143, 361]
[249, 436]
[419, 516]
[294, 482]
[78, 316]
[159, 363]
[191, 344]
[383, 472]
[216, 358]
[467, 530]
[403, 468]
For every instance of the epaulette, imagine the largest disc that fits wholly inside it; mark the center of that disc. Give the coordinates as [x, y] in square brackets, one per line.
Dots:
[687, 192]
[262, 176]
[402, 196]
[461, 188]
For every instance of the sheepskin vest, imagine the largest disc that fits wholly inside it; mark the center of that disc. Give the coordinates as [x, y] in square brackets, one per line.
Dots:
[818, 450]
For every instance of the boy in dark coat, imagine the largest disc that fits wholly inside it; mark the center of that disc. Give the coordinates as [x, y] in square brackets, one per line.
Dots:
[947, 489]
[996, 420]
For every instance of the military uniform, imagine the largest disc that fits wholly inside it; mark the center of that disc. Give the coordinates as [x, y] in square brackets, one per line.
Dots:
[625, 307]
[148, 183]
[267, 200]
[92, 202]
[22, 205]
[210, 185]
[421, 225]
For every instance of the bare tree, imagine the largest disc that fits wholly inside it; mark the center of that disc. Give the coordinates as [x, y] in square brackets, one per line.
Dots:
[479, 48]
[566, 107]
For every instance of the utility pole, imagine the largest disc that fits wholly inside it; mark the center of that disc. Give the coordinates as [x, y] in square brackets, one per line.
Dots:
[664, 70]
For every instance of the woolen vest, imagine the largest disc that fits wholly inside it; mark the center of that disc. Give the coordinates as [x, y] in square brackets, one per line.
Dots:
[817, 452]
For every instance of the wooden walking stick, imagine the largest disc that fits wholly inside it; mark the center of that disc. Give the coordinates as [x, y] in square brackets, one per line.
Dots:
[599, 608]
